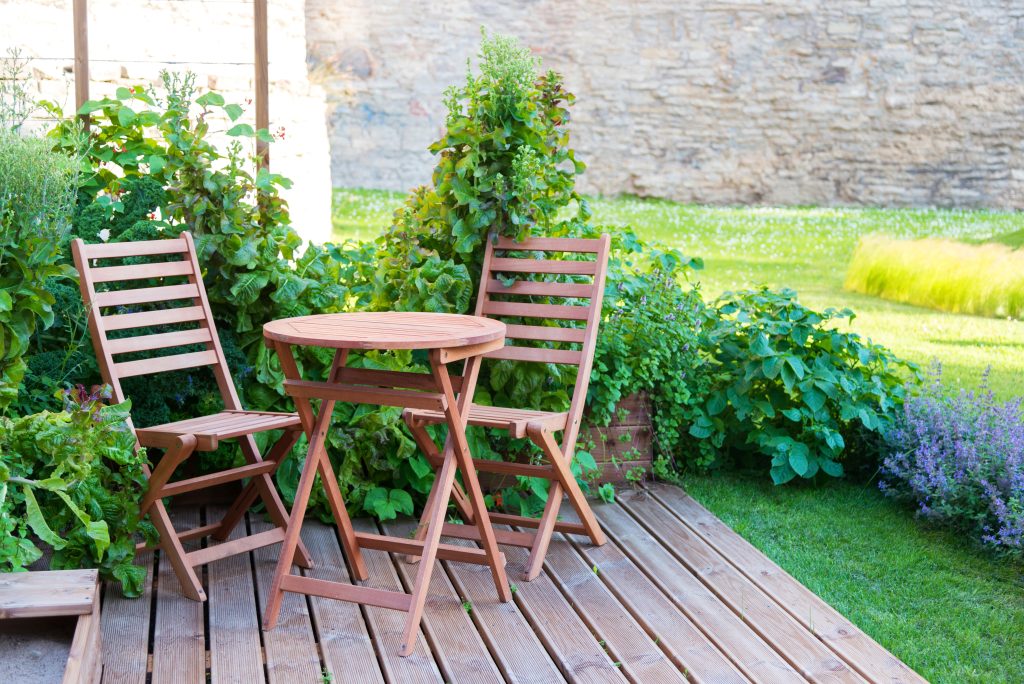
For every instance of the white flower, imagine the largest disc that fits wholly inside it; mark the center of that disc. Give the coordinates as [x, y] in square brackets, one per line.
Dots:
[104, 234]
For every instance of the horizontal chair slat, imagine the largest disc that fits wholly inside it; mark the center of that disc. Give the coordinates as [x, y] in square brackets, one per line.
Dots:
[543, 266]
[146, 319]
[107, 274]
[529, 310]
[583, 245]
[113, 250]
[204, 481]
[159, 341]
[160, 364]
[537, 354]
[530, 287]
[147, 295]
[544, 332]
[357, 394]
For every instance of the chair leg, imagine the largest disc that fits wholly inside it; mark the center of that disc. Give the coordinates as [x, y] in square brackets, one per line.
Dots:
[173, 551]
[542, 538]
[262, 486]
[565, 481]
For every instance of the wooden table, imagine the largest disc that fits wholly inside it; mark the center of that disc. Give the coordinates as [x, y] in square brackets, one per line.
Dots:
[447, 338]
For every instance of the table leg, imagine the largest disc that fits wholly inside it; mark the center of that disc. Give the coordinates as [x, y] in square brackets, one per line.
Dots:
[291, 538]
[435, 521]
[317, 461]
[457, 414]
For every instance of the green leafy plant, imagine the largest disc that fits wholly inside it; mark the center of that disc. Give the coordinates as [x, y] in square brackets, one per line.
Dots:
[71, 480]
[789, 386]
[36, 200]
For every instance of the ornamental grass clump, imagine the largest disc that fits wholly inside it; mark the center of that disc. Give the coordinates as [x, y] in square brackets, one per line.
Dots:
[985, 280]
[961, 458]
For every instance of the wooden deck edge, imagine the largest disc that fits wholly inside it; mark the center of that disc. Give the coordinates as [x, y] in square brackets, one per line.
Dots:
[849, 643]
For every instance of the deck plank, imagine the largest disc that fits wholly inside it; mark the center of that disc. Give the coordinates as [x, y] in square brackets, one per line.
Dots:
[126, 629]
[236, 655]
[634, 651]
[341, 630]
[456, 643]
[728, 631]
[675, 633]
[787, 636]
[290, 648]
[516, 649]
[386, 625]
[569, 641]
[179, 633]
[858, 649]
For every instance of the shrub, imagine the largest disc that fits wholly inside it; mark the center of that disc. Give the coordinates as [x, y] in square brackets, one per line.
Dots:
[961, 459]
[72, 479]
[36, 199]
[784, 383]
[986, 279]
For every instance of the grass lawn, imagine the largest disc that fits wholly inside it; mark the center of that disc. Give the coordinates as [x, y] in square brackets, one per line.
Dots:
[951, 612]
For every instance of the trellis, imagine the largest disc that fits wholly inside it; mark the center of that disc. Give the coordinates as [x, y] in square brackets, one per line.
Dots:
[260, 68]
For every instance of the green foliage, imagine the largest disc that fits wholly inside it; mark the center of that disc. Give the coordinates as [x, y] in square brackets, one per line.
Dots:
[504, 163]
[985, 279]
[651, 339]
[36, 199]
[71, 480]
[787, 385]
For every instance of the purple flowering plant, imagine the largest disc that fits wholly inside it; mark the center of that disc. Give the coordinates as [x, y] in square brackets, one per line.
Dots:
[960, 457]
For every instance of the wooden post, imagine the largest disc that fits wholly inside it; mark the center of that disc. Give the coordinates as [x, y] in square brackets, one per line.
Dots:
[81, 22]
[261, 80]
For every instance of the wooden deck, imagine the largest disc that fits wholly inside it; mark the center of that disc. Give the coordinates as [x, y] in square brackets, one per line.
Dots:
[674, 595]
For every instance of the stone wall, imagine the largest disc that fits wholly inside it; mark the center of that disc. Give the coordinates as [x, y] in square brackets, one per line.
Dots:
[879, 102]
[131, 41]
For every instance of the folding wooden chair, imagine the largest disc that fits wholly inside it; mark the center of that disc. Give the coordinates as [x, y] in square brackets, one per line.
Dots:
[175, 318]
[497, 300]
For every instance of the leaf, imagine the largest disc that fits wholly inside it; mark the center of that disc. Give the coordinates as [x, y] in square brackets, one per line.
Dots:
[248, 287]
[798, 462]
[36, 521]
[210, 99]
[782, 474]
[125, 116]
[401, 501]
[716, 404]
[233, 111]
[123, 93]
[241, 129]
[760, 346]
[815, 399]
[831, 467]
[156, 163]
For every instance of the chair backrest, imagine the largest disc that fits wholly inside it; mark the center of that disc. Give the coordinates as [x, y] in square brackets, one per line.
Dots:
[166, 317]
[580, 291]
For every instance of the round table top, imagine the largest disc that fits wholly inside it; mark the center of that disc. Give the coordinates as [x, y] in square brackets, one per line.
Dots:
[386, 330]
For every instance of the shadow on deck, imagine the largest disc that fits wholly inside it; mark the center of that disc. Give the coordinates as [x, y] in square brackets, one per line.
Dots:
[674, 595]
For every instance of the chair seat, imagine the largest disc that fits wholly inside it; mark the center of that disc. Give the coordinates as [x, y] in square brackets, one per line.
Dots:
[209, 430]
[511, 419]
